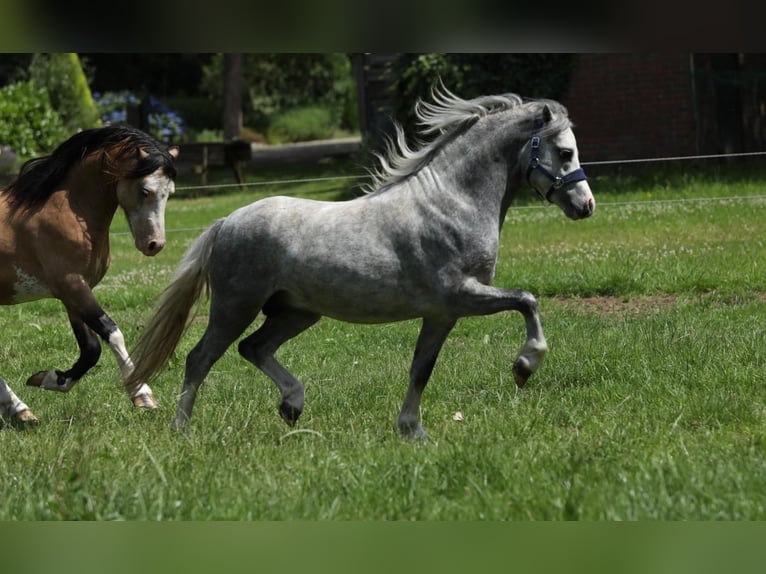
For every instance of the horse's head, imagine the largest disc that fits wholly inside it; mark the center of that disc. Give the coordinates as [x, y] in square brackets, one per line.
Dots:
[144, 199]
[553, 168]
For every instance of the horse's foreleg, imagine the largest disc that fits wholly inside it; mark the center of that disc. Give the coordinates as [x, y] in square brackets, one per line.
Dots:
[90, 351]
[478, 299]
[13, 407]
[108, 330]
[259, 349]
[88, 319]
[433, 333]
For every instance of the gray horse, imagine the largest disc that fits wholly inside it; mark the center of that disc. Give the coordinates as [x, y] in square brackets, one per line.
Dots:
[422, 243]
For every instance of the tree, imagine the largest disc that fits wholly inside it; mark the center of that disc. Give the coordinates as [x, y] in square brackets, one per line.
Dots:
[232, 96]
[63, 76]
[275, 83]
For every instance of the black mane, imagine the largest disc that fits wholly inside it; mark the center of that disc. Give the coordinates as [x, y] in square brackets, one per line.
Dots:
[39, 177]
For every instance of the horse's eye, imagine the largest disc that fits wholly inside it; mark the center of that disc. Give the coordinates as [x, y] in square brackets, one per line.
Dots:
[566, 154]
[145, 192]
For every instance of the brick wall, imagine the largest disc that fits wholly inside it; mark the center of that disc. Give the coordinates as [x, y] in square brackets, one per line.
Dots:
[628, 106]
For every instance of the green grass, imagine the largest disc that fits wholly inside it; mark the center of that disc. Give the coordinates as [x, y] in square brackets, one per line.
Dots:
[650, 404]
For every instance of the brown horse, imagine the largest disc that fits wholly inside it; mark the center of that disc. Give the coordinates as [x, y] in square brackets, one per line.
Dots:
[54, 239]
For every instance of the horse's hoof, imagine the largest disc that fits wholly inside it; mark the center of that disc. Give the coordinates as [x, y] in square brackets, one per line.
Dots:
[145, 401]
[37, 379]
[413, 432]
[289, 413]
[25, 418]
[521, 374]
[51, 381]
[181, 426]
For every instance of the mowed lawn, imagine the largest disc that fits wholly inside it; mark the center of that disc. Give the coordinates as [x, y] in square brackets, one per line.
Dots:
[650, 404]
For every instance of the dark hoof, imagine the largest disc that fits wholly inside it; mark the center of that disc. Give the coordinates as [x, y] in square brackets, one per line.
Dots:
[36, 380]
[521, 374]
[289, 413]
[412, 431]
[183, 429]
[417, 435]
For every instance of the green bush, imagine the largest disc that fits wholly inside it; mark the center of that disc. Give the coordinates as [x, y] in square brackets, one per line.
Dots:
[62, 75]
[28, 123]
[276, 83]
[301, 124]
[205, 135]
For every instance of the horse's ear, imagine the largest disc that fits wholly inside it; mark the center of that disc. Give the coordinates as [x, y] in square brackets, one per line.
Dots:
[547, 115]
[174, 151]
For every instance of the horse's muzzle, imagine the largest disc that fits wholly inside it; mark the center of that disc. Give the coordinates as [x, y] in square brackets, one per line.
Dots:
[582, 212]
[588, 209]
[151, 247]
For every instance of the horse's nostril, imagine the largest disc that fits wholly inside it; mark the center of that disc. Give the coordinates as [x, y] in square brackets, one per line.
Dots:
[154, 246]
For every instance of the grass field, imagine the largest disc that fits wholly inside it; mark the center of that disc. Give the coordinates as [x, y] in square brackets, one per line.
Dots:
[650, 404]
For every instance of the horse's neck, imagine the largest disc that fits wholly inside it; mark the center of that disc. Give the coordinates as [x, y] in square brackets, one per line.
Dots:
[482, 172]
[92, 198]
[512, 186]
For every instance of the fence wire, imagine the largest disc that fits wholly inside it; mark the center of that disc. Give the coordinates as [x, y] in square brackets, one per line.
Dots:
[541, 206]
[364, 176]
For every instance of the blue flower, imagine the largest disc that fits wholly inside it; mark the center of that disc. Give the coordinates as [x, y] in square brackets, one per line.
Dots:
[163, 122]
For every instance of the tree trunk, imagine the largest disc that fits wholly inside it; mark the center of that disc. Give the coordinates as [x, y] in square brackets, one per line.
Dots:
[232, 96]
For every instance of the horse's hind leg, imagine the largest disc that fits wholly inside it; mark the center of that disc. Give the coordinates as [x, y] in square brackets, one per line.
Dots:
[228, 320]
[13, 407]
[433, 333]
[259, 349]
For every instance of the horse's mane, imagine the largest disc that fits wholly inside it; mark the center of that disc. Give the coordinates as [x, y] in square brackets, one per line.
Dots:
[119, 147]
[449, 116]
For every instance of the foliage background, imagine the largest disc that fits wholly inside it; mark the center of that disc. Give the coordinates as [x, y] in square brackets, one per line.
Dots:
[280, 82]
[292, 96]
[64, 78]
[470, 75]
[28, 123]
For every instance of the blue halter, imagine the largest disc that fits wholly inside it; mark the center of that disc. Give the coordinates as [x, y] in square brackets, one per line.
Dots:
[556, 181]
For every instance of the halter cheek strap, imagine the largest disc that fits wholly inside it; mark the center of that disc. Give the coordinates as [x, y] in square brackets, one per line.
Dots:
[556, 181]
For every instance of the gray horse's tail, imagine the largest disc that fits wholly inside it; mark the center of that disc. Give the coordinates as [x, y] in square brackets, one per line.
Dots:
[172, 314]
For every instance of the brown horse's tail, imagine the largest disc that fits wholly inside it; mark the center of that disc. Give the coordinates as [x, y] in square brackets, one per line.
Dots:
[172, 314]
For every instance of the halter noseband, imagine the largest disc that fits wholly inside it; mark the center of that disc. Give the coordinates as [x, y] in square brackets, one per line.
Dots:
[556, 181]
